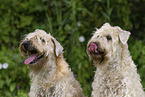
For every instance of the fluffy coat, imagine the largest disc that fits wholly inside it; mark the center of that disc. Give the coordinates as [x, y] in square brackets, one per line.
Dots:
[116, 74]
[50, 75]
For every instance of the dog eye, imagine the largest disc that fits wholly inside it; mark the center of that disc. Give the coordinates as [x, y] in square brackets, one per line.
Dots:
[42, 39]
[109, 37]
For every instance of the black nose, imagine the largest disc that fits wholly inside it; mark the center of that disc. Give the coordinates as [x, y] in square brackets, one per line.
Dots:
[26, 45]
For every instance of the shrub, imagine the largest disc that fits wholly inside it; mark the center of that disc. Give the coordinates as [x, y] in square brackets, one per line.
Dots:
[71, 22]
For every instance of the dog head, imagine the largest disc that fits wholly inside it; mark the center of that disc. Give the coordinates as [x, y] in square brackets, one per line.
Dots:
[104, 43]
[38, 47]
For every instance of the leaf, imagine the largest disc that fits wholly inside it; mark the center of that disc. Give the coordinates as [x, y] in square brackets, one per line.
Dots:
[143, 50]
[110, 11]
[8, 81]
[1, 83]
[26, 21]
[12, 87]
[105, 15]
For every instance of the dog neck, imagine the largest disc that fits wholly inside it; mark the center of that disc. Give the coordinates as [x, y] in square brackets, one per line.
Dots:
[116, 64]
[110, 73]
[42, 66]
[52, 70]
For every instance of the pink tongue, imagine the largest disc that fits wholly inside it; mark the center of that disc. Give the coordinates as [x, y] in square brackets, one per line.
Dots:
[30, 59]
[93, 48]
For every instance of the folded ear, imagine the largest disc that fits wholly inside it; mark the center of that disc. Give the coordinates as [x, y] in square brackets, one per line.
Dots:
[124, 36]
[58, 49]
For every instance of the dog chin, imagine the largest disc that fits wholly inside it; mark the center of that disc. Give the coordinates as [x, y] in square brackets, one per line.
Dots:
[40, 61]
[98, 60]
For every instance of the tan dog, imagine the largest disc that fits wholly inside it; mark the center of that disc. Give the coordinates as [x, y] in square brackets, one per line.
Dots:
[116, 74]
[49, 71]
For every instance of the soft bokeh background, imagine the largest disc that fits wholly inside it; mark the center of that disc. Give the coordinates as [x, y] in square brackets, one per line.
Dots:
[71, 22]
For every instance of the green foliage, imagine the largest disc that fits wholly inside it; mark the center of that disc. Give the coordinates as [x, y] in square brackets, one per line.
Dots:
[66, 20]
[14, 78]
[137, 49]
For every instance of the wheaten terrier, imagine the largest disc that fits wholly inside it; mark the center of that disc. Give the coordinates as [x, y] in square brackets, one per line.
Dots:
[49, 71]
[116, 74]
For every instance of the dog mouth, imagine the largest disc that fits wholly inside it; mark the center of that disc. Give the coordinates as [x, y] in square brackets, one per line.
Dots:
[33, 57]
[96, 52]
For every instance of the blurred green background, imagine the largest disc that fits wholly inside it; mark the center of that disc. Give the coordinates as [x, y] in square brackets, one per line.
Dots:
[71, 22]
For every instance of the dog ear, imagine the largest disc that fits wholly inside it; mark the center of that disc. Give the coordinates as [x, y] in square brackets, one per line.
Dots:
[123, 35]
[58, 49]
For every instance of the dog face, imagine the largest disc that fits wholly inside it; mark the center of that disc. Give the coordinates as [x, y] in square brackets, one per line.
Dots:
[39, 46]
[105, 42]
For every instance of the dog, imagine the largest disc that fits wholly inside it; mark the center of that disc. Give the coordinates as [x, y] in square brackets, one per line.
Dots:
[49, 71]
[116, 74]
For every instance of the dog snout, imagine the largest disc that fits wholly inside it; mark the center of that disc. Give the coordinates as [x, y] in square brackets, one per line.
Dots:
[93, 47]
[26, 45]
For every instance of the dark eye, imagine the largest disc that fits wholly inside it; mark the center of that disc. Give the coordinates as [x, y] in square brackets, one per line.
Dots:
[42, 39]
[109, 37]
